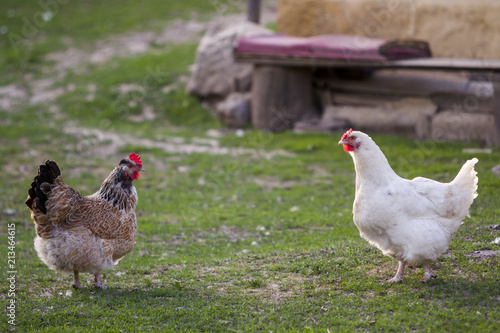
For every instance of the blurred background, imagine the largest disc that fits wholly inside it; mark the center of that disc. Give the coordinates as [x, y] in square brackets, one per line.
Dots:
[241, 229]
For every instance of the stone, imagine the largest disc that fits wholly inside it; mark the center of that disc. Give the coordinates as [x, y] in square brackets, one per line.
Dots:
[449, 125]
[418, 83]
[454, 28]
[235, 110]
[215, 74]
[321, 126]
[393, 115]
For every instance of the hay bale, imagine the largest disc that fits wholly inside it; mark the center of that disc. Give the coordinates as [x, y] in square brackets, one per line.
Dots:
[454, 28]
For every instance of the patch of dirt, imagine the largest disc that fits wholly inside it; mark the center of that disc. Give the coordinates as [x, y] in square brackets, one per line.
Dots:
[130, 44]
[496, 170]
[448, 254]
[494, 227]
[146, 114]
[286, 286]
[270, 183]
[381, 272]
[466, 275]
[230, 235]
[175, 267]
[234, 234]
[11, 95]
[318, 171]
[120, 45]
[42, 91]
[483, 254]
[104, 143]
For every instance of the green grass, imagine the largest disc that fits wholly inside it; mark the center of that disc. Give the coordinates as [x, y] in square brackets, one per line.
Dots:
[29, 30]
[227, 242]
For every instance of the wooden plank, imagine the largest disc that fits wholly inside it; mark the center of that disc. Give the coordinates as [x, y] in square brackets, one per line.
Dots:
[253, 11]
[365, 100]
[396, 82]
[463, 102]
[448, 64]
[281, 97]
[421, 63]
[302, 61]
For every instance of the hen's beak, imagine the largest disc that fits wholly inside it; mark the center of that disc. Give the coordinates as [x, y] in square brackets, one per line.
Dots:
[343, 142]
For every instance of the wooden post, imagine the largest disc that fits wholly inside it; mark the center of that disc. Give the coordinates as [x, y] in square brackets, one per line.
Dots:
[281, 96]
[496, 106]
[253, 11]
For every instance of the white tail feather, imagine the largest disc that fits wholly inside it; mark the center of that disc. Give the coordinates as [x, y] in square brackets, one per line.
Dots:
[467, 177]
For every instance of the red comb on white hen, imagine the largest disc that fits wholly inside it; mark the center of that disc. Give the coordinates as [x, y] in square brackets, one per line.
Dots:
[346, 139]
[409, 220]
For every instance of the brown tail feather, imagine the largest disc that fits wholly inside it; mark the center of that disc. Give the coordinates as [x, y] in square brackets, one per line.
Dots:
[47, 173]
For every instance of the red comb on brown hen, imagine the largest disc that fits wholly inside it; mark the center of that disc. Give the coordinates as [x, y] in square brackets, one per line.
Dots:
[135, 158]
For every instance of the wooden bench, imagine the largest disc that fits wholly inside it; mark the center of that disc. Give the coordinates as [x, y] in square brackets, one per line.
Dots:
[282, 84]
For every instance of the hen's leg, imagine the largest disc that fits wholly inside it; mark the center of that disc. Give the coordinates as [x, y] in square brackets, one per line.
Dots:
[76, 280]
[98, 282]
[427, 273]
[399, 275]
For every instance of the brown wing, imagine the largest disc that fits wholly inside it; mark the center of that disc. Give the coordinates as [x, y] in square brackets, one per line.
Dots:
[62, 202]
[67, 209]
[101, 218]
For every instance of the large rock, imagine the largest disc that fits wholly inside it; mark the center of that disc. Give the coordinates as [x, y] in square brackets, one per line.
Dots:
[449, 125]
[454, 28]
[215, 73]
[235, 110]
[392, 115]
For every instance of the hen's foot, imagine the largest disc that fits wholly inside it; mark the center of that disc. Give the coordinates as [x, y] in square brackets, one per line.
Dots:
[100, 286]
[395, 279]
[428, 275]
[76, 281]
[399, 275]
[98, 282]
[427, 279]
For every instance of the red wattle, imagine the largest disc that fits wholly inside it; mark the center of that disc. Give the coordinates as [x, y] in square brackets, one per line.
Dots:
[135, 175]
[348, 148]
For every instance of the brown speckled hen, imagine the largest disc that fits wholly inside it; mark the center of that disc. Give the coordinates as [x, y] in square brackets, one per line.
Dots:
[84, 234]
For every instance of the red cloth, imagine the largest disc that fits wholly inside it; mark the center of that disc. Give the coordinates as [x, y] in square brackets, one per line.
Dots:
[350, 48]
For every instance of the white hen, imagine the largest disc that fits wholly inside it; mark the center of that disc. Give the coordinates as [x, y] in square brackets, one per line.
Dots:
[409, 220]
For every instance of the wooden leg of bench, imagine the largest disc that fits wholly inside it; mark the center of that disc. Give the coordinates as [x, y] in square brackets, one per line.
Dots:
[253, 11]
[496, 107]
[281, 96]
